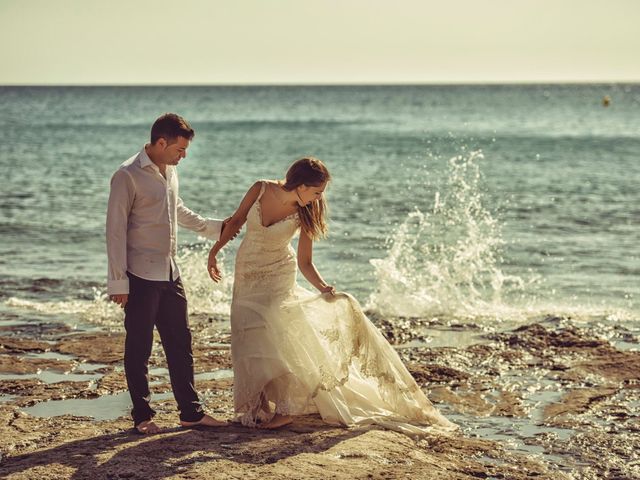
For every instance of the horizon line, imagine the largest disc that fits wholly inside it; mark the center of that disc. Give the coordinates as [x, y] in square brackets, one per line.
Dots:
[333, 84]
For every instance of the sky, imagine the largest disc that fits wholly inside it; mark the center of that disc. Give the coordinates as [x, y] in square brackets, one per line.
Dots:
[143, 42]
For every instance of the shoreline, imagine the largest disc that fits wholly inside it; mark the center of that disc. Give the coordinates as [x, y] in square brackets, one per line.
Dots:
[550, 399]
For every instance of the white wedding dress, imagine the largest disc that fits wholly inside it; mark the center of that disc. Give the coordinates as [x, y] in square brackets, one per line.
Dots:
[312, 353]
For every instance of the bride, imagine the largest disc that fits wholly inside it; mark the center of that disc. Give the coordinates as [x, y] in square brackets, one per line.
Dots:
[295, 352]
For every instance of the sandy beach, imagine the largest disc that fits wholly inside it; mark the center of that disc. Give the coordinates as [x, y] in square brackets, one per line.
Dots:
[555, 399]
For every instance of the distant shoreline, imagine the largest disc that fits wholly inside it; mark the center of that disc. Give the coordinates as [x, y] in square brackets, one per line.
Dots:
[331, 85]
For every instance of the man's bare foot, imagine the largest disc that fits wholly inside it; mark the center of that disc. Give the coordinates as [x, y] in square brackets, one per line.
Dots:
[276, 422]
[147, 427]
[206, 421]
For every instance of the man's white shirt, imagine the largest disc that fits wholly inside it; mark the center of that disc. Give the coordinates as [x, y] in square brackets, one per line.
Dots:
[142, 216]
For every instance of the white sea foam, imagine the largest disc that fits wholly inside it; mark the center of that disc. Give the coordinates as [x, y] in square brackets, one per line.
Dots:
[97, 311]
[205, 297]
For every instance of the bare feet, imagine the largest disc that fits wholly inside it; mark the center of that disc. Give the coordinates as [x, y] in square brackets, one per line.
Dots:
[206, 421]
[265, 405]
[147, 427]
[276, 422]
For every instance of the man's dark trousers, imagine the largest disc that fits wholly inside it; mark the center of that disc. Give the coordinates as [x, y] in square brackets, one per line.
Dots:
[163, 305]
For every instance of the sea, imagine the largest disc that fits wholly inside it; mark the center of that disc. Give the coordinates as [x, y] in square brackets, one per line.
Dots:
[489, 203]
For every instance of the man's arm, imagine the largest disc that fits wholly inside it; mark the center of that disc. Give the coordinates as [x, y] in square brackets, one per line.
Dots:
[207, 227]
[120, 201]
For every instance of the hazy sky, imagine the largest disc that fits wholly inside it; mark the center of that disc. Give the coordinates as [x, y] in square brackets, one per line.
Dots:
[317, 41]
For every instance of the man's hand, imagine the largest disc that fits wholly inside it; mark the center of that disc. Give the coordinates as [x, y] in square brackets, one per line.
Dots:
[120, 299]
[224, 224]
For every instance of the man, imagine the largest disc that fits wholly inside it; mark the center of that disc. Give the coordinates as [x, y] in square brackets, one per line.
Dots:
[142, 216]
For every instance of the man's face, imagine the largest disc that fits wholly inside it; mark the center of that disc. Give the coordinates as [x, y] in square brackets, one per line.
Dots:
[175, 152]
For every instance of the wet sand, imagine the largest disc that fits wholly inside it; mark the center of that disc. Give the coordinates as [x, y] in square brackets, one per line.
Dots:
[552, 399]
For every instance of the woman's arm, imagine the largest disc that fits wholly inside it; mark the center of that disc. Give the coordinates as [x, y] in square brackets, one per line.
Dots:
[306, 266]
[231, 229]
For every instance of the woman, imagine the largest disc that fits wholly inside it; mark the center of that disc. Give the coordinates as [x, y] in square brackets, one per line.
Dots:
[295, 352]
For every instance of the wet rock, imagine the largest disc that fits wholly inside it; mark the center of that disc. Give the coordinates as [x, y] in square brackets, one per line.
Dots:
[112, 382]
[215, 385]
[537, 337]
[427, 374]
[201, 386]
[603, 455]
[400, 330]
[614, 365]
[472, 402]
[15, 344]
[475, 400]
[36, 330]
[577, 402]
[19, 387]
[509, 404]
[33, 390]
[23, 365]
[208, 359]
[97, 347]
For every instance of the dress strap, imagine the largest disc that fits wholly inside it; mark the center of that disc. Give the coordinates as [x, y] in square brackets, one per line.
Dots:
[262, 189]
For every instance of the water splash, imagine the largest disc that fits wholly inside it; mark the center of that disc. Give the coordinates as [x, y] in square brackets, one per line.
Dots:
[446, 261]
[97, 311]
[204, 295]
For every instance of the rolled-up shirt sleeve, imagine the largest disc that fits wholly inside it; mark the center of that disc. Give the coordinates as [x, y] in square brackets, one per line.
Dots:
[121, 198]
[207, 227]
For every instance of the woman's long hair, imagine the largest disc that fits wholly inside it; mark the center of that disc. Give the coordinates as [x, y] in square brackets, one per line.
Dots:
[311, 172]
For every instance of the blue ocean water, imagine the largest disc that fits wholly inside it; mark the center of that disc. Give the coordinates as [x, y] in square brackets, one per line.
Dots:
[488, 202]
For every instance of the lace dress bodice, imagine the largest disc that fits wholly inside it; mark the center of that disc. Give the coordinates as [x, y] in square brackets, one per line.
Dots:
[265, 253]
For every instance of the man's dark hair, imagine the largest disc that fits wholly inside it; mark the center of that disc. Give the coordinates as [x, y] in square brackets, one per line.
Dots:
[170, 126]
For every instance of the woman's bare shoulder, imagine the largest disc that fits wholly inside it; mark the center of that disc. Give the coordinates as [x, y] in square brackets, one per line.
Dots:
[270, 182]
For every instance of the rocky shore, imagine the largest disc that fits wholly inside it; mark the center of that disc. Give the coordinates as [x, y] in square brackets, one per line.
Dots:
[552, 399]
